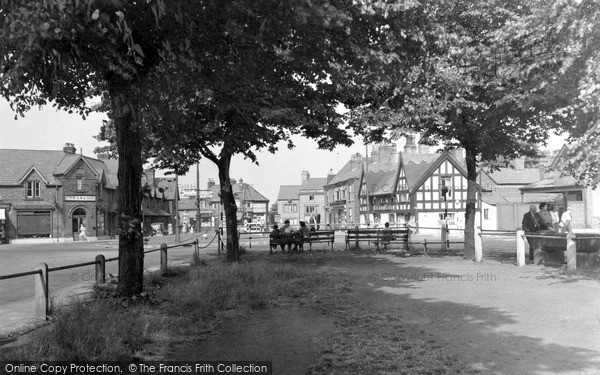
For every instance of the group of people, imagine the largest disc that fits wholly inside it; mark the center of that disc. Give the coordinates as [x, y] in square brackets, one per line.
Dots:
[546, 219]
[286, 236]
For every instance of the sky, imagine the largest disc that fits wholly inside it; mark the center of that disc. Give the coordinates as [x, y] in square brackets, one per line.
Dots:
[49, 129]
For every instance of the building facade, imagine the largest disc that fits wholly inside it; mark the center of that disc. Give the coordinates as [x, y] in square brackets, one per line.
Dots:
[252, 206]
[46, 194]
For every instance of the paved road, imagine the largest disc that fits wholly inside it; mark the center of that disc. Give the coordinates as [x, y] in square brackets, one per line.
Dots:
[16, 295]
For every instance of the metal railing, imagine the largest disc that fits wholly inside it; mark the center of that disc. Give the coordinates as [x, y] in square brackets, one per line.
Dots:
[42, 273]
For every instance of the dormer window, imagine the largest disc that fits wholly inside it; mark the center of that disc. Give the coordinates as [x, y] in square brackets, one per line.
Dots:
[33, 189]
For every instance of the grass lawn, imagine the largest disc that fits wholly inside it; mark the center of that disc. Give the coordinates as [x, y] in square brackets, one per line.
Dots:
[193, 303]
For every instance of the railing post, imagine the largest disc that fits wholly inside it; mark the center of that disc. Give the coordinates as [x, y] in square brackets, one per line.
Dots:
[478, 245]
[571, 252]
[41, 303]
[520, 237]
[444, 237]
[163, 259]
[220, 241]
[196, 256]
[100, 274]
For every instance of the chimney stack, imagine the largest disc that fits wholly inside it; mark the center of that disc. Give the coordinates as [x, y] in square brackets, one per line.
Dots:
[410, 147]
[304, 176]
[210, 183]
[69, 148]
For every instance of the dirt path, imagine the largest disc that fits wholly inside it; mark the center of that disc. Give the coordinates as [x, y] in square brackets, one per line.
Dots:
[497, 318]
[291, 337]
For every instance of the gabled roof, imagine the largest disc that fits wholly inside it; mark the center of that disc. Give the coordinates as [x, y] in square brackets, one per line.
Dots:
[428, 167]
[415, 166]
[351, 170]
[288, 192]
[314, 184]
[29, 172]
[242, 191]
[378, 182]
[248, 192]
[14, 164]
[510, 176]
[553, 185]
[561, 153]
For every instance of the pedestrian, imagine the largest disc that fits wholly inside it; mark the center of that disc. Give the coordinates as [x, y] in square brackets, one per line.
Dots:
[530, 224]
[82, 234]
[555, 218]
[544, 218]
[565, 221]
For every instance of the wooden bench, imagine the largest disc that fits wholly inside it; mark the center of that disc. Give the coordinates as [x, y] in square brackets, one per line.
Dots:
[383, 236]
[319, 236]
[549, 248]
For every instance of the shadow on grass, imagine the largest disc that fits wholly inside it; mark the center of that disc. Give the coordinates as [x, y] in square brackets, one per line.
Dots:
[479, 335]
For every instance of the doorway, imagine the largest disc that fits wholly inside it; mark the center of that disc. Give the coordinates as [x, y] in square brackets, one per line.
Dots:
[79, 216]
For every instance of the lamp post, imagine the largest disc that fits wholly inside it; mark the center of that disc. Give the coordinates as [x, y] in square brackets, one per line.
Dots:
[444, 190]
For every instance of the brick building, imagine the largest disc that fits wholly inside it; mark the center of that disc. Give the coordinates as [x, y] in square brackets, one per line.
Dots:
[50, 194]
[47, 195]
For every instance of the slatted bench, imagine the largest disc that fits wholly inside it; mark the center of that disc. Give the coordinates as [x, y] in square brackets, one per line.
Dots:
[383, 236]
[319, 236]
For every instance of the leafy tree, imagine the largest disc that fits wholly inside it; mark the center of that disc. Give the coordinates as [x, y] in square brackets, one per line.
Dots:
[68, 52]
[487, 86]
[577, 24]
[266, 72]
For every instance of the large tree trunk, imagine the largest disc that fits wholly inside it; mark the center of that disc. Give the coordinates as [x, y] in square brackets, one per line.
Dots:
[131, 244]
[471, 161]
[229, 206]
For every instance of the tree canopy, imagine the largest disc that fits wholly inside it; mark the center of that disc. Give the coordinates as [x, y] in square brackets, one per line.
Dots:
[491, 84]
[265, 73]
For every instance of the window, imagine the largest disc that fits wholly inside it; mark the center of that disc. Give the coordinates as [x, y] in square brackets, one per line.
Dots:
[486, 213]
[290, 208]
[79, 184]
[310, 209]
[33, 189]
[311, 197]
[403, 197]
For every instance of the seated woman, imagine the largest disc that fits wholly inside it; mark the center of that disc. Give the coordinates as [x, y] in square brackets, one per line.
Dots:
[386, 235]
[275, 237]
[303, 233]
